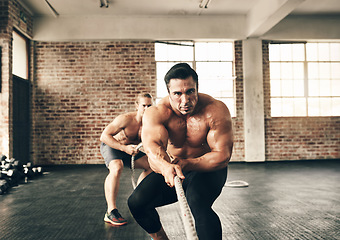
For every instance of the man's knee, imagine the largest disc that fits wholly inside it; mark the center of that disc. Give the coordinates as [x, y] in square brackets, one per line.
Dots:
[133, 203]
[142, 163]
[116, 166]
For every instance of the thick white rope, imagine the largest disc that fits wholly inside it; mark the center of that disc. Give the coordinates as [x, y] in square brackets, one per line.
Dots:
[187, 219]
[138, 147]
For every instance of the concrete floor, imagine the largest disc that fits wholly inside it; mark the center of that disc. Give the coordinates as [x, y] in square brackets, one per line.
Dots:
[285, 200]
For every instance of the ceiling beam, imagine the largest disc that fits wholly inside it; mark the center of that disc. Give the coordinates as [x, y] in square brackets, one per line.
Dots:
[267, 13]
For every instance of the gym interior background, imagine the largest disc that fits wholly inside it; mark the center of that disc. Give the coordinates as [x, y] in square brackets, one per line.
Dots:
[84, 70]
[86, 63]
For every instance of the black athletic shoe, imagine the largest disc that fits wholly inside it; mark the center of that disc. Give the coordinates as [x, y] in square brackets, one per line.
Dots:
[115, 218]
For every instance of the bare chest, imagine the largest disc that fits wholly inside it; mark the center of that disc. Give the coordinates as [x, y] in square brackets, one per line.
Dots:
[130, 134]
[190, 133]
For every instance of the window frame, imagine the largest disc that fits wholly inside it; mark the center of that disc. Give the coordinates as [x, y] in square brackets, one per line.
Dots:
[307, 97]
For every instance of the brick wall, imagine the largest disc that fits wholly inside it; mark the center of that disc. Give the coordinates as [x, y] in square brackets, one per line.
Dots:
[79, 88]
[297, 138]
[302, 138]
[238, 151]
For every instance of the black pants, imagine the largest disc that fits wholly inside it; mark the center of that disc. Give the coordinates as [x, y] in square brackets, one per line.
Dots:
[201, 190]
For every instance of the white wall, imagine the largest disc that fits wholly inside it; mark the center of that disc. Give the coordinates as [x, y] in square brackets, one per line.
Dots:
[325, 27]
[232, 27]
[138, 28]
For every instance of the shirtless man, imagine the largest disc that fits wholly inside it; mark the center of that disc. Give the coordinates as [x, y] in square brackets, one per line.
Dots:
[119, 140]
[196, 131]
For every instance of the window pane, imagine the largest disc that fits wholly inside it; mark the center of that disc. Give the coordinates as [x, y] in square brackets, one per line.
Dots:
[274, 52]
[276, 107]
[171, 52]
[275, 70]
[298, 71]
[287, 70]
[287, 107]
[275, 88]
[286, 52]
[335, 51]
[230, 104]
[300, 107]
[323, 52]
[335, 70]
[215, 78]
[299, 88]
[214, 70]
[313, 107]
[288, 88]
[298, 52]
[335, 88]
[313, 88]
[325, 71]
[322, 107]
[325, 107]
[325, 88]
[213, 51]
[161, 52]
[313, 71]
[335, 106]
[312, 51]
[20, 57]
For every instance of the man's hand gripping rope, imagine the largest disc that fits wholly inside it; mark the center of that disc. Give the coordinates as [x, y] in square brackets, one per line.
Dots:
[175, 179]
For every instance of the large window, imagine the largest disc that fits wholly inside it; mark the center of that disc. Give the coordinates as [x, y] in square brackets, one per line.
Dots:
[213, 62]
[305, 79]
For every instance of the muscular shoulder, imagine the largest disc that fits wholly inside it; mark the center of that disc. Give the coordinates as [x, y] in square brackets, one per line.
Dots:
[161, 111]
[124, 119]
[213, 109]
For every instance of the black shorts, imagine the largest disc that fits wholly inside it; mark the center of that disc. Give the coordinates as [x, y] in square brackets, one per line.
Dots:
[110, 154]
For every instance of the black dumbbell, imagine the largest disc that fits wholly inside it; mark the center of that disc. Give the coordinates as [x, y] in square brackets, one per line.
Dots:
[28, 170]
[13, 175]
[7, 175]
[38, 171]
[3, 157]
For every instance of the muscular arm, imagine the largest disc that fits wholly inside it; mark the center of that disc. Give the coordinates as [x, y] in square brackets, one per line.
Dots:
[117, 125]
[155, 140]
[220, 141]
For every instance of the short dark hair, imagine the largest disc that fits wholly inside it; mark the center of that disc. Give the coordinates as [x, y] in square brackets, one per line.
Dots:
[180, 71]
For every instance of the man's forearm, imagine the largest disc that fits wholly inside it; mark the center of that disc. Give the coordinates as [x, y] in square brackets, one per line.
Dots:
[210, 161]
[157, 157]
[112, 142]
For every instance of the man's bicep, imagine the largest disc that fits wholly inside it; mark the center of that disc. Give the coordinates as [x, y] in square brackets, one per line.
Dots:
[117, 125]
[153, 130]
[220, 138]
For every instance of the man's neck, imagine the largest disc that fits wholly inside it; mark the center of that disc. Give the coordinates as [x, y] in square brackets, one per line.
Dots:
[138, 117]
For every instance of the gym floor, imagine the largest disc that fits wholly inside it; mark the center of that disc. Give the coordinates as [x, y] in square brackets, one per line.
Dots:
[285, 200]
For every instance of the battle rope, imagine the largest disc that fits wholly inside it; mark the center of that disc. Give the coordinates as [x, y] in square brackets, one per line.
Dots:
[187, 218]
[138, 147]
[186, 215]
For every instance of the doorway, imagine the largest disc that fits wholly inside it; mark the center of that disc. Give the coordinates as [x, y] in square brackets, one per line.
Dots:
[21, 119]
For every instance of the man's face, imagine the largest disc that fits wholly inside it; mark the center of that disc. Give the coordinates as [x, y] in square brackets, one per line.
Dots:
[183, 95]
[143, 104]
